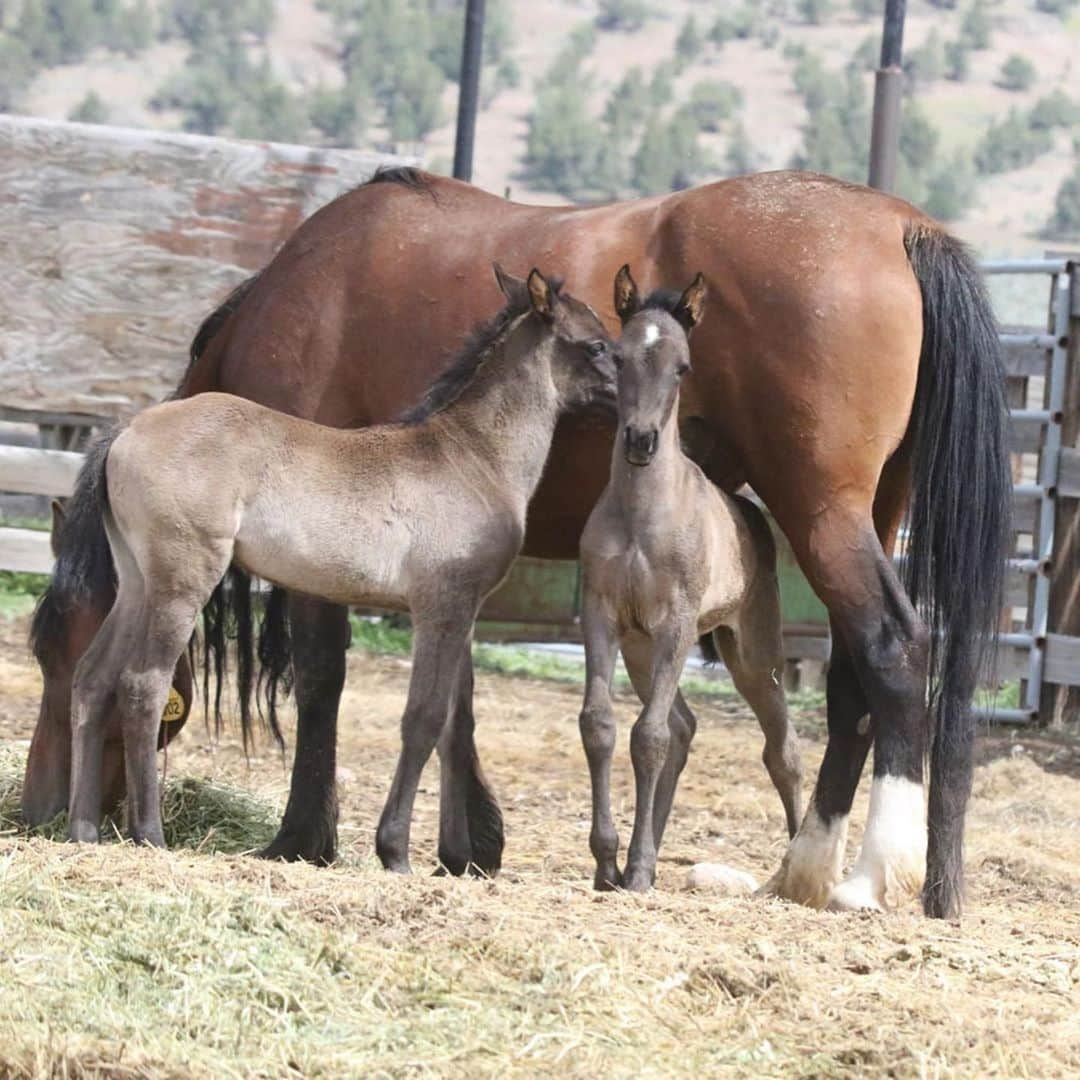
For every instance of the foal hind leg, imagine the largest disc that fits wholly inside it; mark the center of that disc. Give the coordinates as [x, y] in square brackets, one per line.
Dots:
[92, 693]
[320, 637]
[141, 693]
[754, 655]
[440, 645]
[470, 821]
[682, 725]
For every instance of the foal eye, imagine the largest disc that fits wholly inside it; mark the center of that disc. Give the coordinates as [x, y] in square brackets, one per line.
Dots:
[682, 369]
[596, 348]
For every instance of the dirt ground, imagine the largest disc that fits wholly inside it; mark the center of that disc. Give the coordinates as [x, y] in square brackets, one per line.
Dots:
[551, 977]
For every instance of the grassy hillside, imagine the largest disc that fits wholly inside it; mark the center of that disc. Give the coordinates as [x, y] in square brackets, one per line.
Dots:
[586, 99]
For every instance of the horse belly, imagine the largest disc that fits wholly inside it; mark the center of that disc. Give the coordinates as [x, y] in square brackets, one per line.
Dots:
[355, 562]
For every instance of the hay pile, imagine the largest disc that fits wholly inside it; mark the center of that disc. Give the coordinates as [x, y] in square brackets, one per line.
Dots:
[133, 962]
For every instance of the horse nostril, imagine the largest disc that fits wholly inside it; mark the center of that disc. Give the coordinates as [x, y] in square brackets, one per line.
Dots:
[654, 439]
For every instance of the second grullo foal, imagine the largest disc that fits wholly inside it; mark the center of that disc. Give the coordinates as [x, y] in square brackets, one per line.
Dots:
[668, 557]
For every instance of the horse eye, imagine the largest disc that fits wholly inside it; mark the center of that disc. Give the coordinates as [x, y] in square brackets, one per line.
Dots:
[596, 348]
[682, 369]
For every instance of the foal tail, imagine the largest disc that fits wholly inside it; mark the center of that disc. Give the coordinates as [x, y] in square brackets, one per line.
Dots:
[83, 574]
[959, 527]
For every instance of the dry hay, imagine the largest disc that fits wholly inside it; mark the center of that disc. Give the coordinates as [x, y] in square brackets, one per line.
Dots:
[119, 961]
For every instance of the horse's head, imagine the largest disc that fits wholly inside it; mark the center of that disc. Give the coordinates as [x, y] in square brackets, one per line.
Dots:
[581, 349]
[64, 625]
[651, 356]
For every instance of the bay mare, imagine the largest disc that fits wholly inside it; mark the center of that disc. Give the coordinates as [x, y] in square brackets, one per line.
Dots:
[848, 365]
[667, 557]
[424, 517]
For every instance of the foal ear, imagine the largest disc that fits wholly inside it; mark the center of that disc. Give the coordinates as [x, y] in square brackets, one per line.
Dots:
[541, 295]
[57, 528]
[691, 306]
[513, 288]
[627, 301]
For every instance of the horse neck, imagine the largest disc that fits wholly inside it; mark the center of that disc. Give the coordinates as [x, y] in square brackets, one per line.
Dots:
[506, 416]
[643, 491]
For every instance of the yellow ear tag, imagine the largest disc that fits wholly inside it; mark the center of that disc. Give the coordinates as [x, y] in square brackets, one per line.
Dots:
[175, 707]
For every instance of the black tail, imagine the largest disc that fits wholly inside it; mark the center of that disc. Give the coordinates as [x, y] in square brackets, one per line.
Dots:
[228, 617]
[84, 574]
[959, 527]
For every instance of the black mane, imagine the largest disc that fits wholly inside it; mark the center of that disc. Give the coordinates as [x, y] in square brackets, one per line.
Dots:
[461, 371]
[404, 176]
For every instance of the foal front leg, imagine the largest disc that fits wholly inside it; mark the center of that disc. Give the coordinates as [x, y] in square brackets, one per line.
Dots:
[439, 647]
[649, 742]
[597, 725]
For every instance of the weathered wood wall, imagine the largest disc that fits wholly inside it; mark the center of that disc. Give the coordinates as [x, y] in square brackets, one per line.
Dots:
[115, 243]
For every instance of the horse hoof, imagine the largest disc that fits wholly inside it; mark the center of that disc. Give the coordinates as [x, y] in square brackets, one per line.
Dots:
[83, 832]
[717, 878]
[296, 847]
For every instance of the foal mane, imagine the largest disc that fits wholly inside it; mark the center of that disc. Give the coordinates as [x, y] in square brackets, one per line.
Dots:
[479, 346]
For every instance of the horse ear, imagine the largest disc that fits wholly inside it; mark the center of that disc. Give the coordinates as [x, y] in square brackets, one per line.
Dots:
[691, 306]
[627, 301]
[540, 294]
[57, 527]
[513, 288]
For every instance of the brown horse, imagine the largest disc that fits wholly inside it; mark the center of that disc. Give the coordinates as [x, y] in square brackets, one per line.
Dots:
[848, 366]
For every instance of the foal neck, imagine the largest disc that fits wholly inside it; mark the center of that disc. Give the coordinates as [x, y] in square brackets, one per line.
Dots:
[506, 415]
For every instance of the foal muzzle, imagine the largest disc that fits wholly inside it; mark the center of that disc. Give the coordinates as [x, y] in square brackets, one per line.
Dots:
[640, 445]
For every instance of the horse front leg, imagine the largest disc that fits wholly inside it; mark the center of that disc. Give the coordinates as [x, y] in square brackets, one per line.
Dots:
[597, 725]
[470, 821]
[650, 740]
[320, 638]
[439, 648]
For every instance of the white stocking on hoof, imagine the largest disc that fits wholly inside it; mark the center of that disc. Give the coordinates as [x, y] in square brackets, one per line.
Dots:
[892, 862]
[813, 861]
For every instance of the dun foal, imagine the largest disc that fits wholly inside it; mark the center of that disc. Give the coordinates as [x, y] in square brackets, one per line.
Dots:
[668, 557]
[424, 516]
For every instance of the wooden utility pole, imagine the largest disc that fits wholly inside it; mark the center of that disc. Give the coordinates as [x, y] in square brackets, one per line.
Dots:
[472, 60]
[888, 90]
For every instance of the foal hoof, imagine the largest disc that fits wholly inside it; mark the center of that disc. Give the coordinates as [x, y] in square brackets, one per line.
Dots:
[638, 879]
[720, 879]
[607, 880]
[83, 832]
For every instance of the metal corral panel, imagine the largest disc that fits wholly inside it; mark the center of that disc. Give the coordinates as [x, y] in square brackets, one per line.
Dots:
[116, 243]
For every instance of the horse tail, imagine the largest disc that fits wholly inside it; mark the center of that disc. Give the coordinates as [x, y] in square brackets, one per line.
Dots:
[84, 573]
[228, 617]
[954, 567]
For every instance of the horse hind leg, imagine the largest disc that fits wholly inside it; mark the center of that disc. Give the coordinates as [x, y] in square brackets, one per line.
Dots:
[879, 665]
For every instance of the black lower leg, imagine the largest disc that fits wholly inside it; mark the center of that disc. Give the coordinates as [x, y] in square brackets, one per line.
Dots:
[320, 638]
